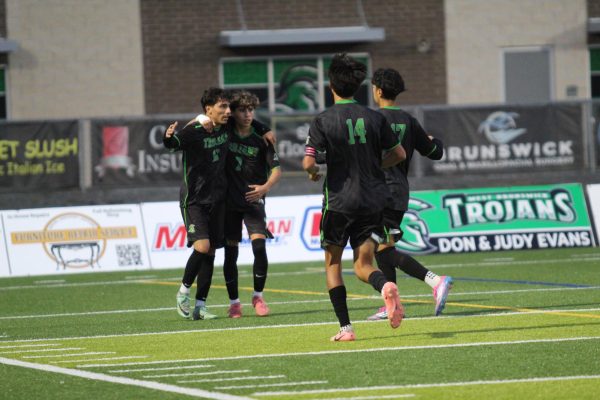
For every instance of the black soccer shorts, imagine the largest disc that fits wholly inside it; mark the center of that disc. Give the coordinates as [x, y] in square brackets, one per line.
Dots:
[391, 221]
[254, 217]
[205, 221]
[337, 228]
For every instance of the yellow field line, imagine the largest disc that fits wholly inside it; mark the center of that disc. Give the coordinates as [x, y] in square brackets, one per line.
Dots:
[362, 296]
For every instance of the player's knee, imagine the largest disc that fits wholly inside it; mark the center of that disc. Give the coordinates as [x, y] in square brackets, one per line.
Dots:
[259, 247]
[202, 246]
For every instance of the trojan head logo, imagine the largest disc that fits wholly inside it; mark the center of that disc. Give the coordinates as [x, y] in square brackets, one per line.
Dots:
[500, 127]
[415, 239]
[298, 89]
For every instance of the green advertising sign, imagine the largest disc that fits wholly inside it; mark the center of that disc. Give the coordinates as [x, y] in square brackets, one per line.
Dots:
[494, 219]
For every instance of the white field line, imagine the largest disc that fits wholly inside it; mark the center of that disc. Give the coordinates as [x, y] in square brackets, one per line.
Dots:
[430, 385]
[272, 385]
[41, 350]
[239, 378]
[161, 369]
[374, 297]
[499, 259]
[370, 350]
[99, 359]
[137, 278]
[235, 371]
[73, 355]
[389, 396]
[49, 281]
[124, 381]
[591, 258]
[482, 315]
[30, 345]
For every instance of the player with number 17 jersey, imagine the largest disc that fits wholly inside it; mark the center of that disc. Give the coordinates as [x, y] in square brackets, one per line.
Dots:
[353, 138]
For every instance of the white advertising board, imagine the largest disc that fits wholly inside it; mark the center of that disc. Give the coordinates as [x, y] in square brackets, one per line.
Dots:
[293, 220]
[594, 202]
[75, 239]
[4, 266]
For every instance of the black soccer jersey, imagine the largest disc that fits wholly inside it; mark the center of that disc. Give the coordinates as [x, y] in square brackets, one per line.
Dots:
[249, 162]
[412, 136]
[204, 155]
[353, 137]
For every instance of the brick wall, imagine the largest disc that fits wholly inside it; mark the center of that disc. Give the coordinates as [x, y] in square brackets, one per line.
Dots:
[181, 51]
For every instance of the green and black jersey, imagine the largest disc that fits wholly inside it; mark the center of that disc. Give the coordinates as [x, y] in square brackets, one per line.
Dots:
[204, 160]
[412, 136]
[249, 162]
[353, 138]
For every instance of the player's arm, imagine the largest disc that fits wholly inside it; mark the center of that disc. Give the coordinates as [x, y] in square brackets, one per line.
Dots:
[393, 156]
[315, 142]
[394, 152]
[170, 139]
[427, 145]
[259, 191]
[264, 131]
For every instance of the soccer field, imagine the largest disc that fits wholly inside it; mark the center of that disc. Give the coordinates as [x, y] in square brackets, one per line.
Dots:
[517, 325]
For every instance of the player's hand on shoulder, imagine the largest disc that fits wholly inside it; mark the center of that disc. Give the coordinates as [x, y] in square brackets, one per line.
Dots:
[205, 121]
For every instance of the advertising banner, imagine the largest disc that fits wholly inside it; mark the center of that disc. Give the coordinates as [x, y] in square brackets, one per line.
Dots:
[495, 219]
[126, 152]
[507, 138]
[594, 197]
[75, 239]
[4, 266]
[294, 222]
[39, 155]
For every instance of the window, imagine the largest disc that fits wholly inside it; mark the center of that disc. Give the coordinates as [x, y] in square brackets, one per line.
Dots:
[3, 112]
[595, 71]
[527, 75]
[288, 84]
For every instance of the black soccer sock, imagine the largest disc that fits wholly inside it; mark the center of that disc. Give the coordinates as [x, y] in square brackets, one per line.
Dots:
[261, 264]
[377, 279]
[337, 295]
[410, 266]
[386, 261]
[205, 277]
[230, 271]
[191, 268]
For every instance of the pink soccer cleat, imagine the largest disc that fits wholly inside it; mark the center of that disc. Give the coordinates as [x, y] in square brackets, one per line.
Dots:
[379, 315]
[235, 310]
[393, 306]
[440, 293]
[260, 307]
[346, 334]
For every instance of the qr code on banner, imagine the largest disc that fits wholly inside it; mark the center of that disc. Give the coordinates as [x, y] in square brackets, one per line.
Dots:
[129, 254]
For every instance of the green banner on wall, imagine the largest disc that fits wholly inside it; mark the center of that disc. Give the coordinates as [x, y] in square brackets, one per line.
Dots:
[495, 219]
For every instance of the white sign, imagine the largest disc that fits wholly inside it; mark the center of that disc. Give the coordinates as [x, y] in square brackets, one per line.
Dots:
[75, 239]
[4, 266]
[294, 222]
[594, 202]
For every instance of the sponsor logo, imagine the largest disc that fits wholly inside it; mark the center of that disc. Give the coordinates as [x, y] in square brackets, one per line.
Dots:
[74, 240]
[280, 228]
[500, 127]
[310, 232]
[555, 205]
[167, 238]
[115, 151]
[415, 239]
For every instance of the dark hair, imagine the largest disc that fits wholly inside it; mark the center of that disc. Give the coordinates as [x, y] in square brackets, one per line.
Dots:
[243, 98]
[212, 96]
[346, 75]
[389, 81]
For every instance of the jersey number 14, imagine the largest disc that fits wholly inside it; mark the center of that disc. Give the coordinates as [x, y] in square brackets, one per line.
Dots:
[356, 131]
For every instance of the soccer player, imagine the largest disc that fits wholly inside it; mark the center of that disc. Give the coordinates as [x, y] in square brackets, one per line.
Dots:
[252, 169]
[354, 191]
[202, 196]
[387, 85]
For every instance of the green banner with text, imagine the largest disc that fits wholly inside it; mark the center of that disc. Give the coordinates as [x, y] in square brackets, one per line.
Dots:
[496, 219]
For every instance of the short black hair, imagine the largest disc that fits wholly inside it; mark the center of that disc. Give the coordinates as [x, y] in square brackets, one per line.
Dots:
[346, 75]
[212, 96]
[389, 81]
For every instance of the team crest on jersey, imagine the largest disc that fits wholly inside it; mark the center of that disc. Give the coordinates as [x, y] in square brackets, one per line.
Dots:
[415, 239]
[192, 228]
